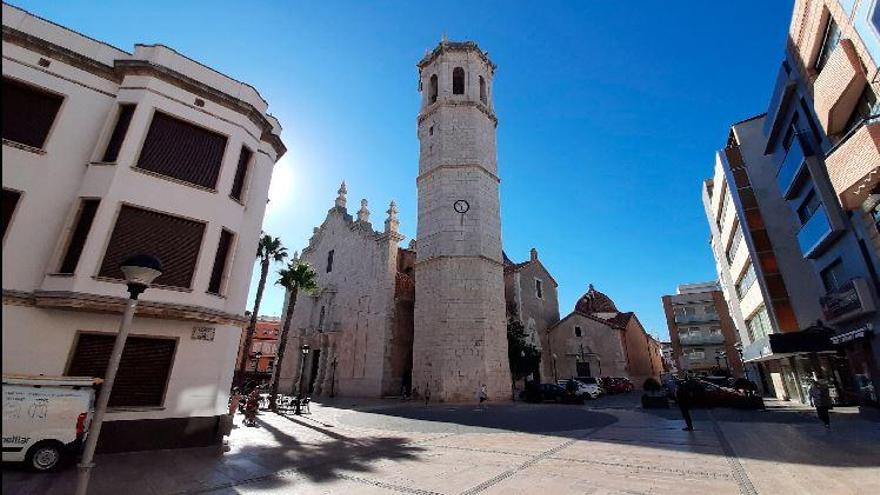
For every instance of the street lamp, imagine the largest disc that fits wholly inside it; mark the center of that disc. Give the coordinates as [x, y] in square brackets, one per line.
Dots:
[139, 271]
[333, 377]
[739, 350]
[302, 370]
[555, 373]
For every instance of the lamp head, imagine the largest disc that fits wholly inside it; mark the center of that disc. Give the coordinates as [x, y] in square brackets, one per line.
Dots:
[140, 270]
[305, 349]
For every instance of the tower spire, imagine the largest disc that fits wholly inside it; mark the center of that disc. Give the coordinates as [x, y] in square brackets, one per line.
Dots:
[364, 213]
[391, 223]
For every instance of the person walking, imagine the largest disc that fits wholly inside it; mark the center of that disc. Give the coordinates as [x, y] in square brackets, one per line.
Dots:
[684, 396]
[234, 401]
[482, 395]
[821, 400]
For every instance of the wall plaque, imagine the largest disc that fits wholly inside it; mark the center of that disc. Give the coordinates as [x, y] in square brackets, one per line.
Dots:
[203, 333]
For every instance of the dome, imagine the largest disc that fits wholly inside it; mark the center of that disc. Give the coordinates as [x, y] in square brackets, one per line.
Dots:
[595, 302]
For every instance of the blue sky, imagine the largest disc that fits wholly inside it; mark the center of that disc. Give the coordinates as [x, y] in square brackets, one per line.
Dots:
[608, 116]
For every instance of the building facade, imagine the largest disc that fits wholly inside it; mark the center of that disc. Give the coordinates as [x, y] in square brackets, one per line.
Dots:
[703, 336]
[598, 340]
[823, 134]
[107, 154]
[531, 295]
[263, 351]
[460, 340]
[358, 325]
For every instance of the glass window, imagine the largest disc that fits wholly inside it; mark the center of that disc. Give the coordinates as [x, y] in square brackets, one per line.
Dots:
[809, 206]
[833, 276]
[829, 42]
[867, 106]
[735, 243]
[758, 326]
[746, 281]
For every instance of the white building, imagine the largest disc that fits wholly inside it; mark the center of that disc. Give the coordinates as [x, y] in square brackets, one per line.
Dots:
[108, 154]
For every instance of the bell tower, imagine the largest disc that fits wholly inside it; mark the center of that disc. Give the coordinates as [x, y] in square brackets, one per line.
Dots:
[460, 335]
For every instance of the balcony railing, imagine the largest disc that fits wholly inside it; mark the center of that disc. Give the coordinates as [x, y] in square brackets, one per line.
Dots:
[815, 233]
[791, 166]
[701, 318]
[701, 339]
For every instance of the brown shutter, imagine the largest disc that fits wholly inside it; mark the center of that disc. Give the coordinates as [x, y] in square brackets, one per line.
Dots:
[28, 113]
[220, 261]
[118, 136]
[182, 151]
[175, 241]
[143, 371]
[86, 215]
[241, 172]
[10, 201]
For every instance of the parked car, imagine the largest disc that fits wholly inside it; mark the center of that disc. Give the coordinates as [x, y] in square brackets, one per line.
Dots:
[581, 389]
[591, 381]
[714, 396]
[545, 392]
[617, 385]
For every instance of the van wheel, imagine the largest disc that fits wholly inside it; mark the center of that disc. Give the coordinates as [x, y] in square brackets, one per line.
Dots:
[45, 456]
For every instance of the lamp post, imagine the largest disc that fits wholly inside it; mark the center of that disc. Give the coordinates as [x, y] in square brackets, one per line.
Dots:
[302, 371]
[739, 350]
[333, 377]
[555, 373]
[139, 272]
[718, 359]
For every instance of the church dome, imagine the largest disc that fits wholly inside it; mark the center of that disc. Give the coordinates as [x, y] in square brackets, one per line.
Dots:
[595, 302]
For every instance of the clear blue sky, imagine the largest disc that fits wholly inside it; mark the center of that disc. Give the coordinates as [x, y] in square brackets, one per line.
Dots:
[609, 115]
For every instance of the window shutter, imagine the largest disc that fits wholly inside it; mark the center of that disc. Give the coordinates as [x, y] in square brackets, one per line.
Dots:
[220, 261]
[143, 371]
[10, 202]
[180, 150]
[118, 136]
[28, 113]
[241, 173]
[175, 241]
[87, 211]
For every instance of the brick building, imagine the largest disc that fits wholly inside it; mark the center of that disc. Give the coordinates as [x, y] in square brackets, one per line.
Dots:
[263, 351]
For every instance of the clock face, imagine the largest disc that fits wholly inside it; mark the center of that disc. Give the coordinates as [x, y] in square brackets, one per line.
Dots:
[461, 206]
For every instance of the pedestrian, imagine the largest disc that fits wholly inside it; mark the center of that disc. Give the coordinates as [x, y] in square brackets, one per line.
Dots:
[427, 394]
[234, 401]
[250, 407]
[684, 396]
[821, 400]
[483, 395]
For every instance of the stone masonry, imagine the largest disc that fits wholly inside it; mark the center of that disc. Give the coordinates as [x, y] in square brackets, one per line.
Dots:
[460, 331]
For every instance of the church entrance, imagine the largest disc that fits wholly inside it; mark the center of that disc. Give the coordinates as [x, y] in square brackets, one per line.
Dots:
[316, 360]
[583, 369]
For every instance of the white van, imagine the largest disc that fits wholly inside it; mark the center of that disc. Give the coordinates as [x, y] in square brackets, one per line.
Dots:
[45, 419]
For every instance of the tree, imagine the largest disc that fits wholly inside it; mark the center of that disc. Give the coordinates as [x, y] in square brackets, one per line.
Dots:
[269, 250]
[522, 355]
[298, 276]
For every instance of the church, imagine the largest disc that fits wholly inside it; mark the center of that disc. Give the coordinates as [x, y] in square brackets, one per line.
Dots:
[431, 319]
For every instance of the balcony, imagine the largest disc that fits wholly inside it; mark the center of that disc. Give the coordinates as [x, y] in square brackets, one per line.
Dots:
[701, 318]
[852, 300]
[816, 233]
[854, 164]
[837, 88]
[791, 167]
[703, 339]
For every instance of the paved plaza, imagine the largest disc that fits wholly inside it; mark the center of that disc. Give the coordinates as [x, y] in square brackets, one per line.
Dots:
[607, 446]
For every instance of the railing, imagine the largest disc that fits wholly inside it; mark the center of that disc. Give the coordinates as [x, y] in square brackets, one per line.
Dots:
[701, 339]
[813, 233]
[702, 318]
[791, 166]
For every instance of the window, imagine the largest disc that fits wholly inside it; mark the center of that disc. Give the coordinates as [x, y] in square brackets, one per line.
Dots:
[244, 159]
[183, 151]
[758, 326]
[28, 113]
[220, 261]
[724, 206]
[84, 219]
[867, 106]
[321, 319]
[254, 364]
[458, 81]
[690, 310]
[829, 42]
[790, 134]
[119, 130]
[809, 206]
[735, 243]
[697, 354]
[432, 89]
[330, 260]
[833, 276]
[482, 89]
[143, 371]
[10, 202]
[577, 332]
[746, 281]
[710, 309]
[539, 289]
[175, 241]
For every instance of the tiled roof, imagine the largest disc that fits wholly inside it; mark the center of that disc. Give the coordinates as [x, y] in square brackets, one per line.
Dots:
[595, 302]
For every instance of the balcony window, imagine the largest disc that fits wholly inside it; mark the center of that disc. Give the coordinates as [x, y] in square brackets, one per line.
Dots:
[746, 281]
[829, 42]
[182, 151]
[123, 119]
[833, 276]
[758, 325]
[867, 106]
[28, 113]
[734, 244]
[82, 225]
[791, 166]
[724, 206]
[815, 232]
[809, 206]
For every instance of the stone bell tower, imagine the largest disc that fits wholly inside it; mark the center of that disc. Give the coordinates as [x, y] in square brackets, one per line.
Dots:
[460, 334]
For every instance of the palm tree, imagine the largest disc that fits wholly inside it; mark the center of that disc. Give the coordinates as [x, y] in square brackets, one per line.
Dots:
[298, 276]
[269, 250]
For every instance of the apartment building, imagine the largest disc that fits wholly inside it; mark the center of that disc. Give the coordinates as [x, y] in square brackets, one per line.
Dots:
[703, 336]
[107, 154]
[263, 351]
[823, 135]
